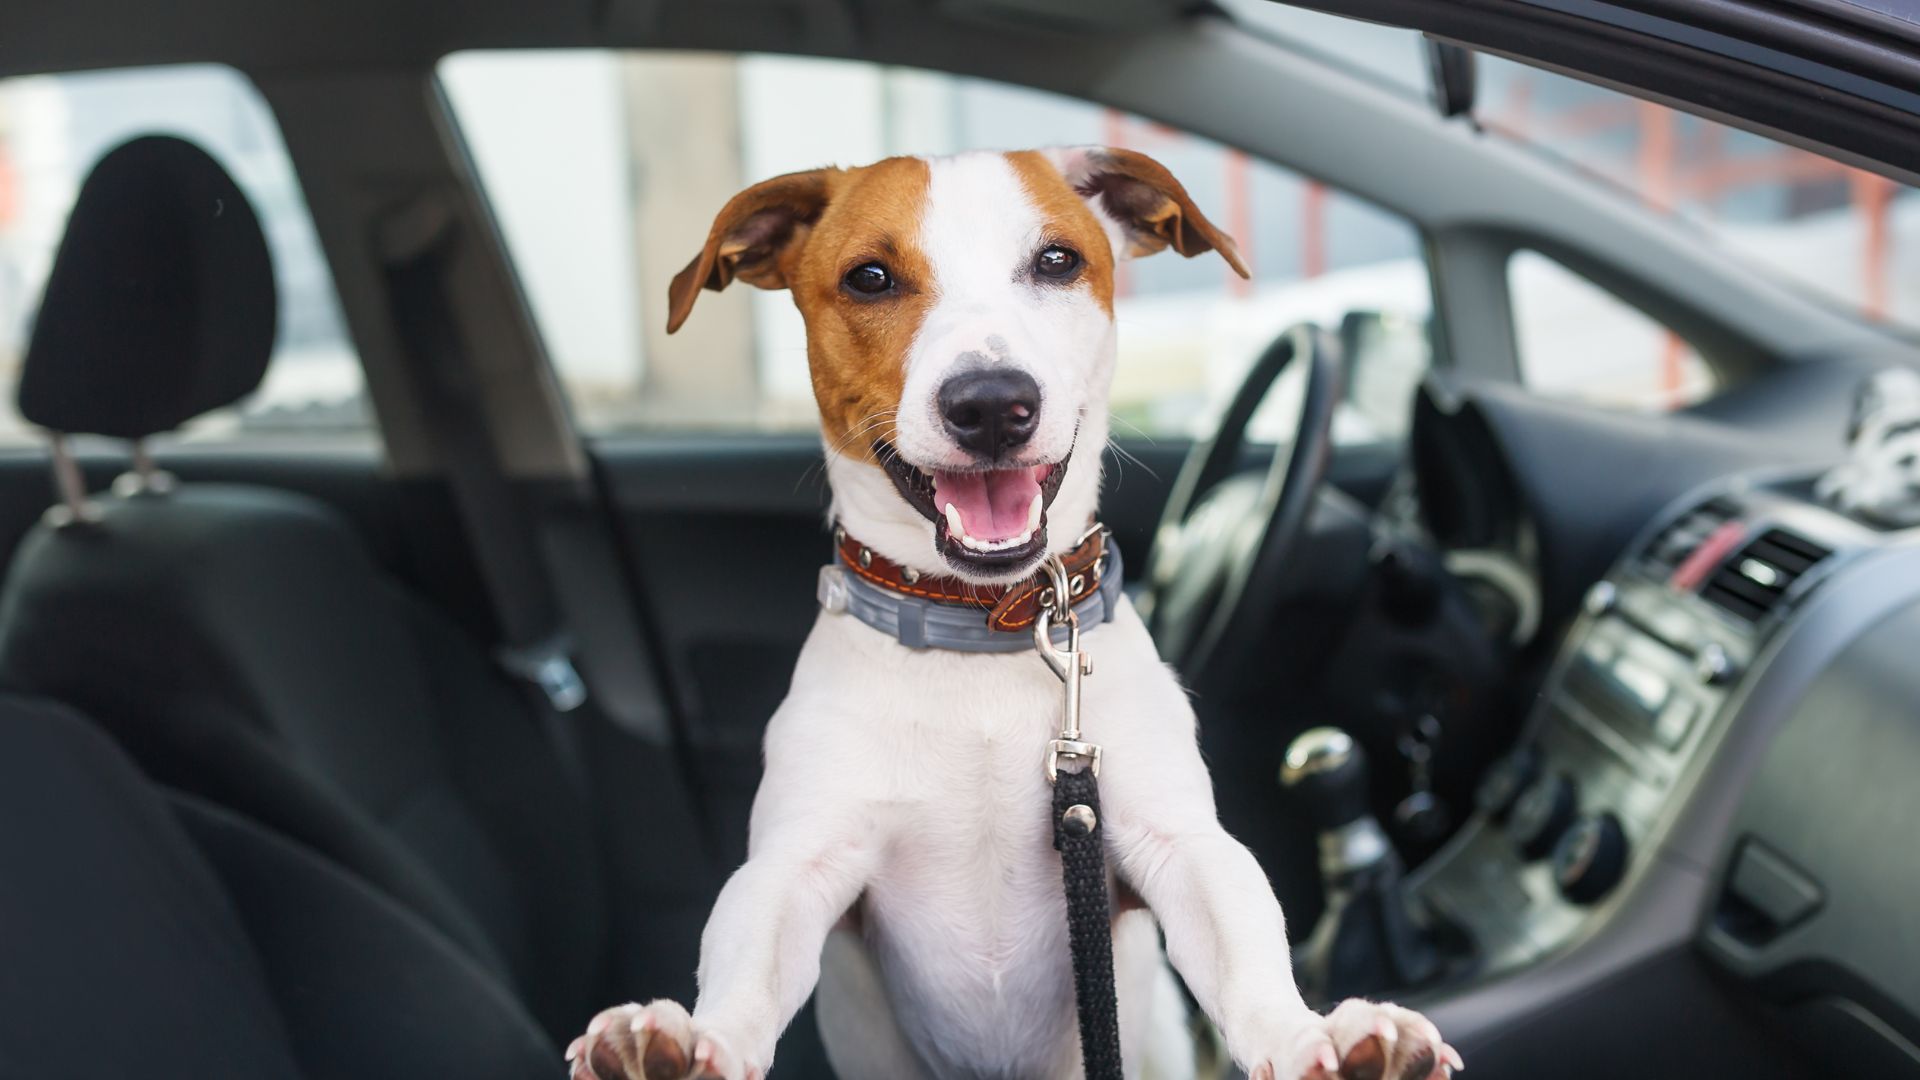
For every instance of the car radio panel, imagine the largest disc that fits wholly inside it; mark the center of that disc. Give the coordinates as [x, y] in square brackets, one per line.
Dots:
[1647, 680]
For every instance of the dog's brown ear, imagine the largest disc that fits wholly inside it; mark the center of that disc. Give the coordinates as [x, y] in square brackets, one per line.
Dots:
[755, 235]
[1152, 209]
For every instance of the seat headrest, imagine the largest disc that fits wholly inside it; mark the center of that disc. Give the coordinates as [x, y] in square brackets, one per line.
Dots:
[161, 303]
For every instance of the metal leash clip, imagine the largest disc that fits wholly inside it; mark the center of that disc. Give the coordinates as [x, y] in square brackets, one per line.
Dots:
[1070, 664]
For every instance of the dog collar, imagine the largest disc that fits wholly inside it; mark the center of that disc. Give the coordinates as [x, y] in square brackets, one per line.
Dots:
[924, 611]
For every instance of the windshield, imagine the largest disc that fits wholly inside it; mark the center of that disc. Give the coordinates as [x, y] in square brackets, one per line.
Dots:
[1843, 234]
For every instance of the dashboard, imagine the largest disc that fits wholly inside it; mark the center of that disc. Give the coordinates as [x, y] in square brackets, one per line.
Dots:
[1724, 757]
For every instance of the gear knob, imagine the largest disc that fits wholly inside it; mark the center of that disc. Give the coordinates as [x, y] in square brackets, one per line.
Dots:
[1327, 771]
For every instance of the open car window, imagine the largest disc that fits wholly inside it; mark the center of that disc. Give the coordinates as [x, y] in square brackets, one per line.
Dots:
[52, 130]
[604, 170]
[1843, 234]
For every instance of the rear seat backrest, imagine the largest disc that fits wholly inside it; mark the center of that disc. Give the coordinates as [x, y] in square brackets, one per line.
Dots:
[154, 935]
[240, 642]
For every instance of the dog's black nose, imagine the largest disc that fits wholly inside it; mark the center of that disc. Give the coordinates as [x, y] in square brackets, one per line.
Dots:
[990, 410]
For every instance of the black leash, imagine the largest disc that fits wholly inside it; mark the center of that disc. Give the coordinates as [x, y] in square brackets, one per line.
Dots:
[1077, 836]
[1083, 867]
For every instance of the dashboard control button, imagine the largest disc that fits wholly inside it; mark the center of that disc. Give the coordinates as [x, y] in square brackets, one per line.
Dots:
[1500, 788]
[1713, 665]
[1674, 721]
[1602, 598]
[1591, 858]
[1544, 811]
[1776, 893]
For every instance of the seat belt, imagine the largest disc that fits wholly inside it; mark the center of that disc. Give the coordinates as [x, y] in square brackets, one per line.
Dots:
[535, 647]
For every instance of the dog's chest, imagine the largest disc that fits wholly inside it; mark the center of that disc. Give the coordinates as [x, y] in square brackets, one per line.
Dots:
[964, 914]
[972, 824]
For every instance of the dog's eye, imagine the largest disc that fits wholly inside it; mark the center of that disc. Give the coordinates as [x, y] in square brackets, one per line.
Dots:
[868, 279]
[1055, 261]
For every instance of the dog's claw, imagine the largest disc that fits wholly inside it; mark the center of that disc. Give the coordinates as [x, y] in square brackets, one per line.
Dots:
[655, 1041]
[1367, 1059]
[1361, 1040]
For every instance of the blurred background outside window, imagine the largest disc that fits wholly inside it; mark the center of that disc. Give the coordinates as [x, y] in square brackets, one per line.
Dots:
[1845, 235]
[606, 168]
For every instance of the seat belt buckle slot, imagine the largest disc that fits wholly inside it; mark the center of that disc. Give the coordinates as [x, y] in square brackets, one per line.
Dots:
[549, 668]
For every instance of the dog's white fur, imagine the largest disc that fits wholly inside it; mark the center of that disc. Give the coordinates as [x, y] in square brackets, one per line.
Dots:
[906, 785]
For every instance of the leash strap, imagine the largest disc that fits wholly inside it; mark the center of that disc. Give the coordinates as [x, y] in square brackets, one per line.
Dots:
[1077, 836]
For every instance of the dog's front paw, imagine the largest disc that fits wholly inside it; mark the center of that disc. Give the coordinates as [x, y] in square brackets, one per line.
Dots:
[1361, 1040]
[655, 1041]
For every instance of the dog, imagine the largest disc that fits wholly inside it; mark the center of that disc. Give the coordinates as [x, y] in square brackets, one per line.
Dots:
[961, 340]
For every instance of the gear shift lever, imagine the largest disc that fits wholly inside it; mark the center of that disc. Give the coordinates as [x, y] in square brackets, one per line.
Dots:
[1327, 771]
[1366, 941]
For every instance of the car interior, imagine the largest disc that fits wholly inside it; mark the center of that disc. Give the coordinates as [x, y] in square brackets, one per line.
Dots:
[391, 614]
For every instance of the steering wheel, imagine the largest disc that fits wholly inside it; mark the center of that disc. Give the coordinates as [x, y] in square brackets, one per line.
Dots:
[1224, 541]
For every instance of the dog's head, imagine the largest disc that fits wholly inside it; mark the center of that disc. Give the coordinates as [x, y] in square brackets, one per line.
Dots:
[959, 317]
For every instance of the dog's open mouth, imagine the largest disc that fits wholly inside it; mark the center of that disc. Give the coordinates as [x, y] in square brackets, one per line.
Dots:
[985, 521]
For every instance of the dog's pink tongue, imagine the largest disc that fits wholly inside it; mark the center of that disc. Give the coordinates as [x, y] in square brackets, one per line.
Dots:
[994, 505]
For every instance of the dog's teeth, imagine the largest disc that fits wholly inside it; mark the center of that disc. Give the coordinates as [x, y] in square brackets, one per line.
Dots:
[1034, 510]
[955, 526]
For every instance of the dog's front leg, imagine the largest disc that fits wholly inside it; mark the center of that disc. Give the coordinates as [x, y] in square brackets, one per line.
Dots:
[759, 959]
[1227, 938]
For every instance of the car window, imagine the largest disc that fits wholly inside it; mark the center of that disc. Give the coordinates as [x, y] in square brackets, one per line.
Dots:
[1578, 340]
[52, 130]
[605, 169]
[1842, 234]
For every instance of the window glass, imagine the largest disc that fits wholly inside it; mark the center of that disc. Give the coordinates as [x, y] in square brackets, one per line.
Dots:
[605, 170]
[1848, 236]
[52, 130]
[1578, 340]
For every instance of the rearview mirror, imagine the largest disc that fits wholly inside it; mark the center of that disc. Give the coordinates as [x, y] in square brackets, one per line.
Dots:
[1450, 70]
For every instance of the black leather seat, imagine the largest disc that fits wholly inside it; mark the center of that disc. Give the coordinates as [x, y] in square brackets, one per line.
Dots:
[242, 645]
[148, 933]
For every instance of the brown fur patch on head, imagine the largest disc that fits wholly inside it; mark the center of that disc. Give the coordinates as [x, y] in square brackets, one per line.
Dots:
[856, 346]
[803, 232]
[1068, 222]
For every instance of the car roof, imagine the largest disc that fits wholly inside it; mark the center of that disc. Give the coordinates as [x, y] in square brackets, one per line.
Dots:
[1838, 76]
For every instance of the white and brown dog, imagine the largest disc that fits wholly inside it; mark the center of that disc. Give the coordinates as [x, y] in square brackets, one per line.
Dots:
[959, 316]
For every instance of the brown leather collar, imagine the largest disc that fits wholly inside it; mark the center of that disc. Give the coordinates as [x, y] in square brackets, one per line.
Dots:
[1009, 607]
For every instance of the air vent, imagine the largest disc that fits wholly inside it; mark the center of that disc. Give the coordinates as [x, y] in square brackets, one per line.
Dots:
[1751, 582]
[1669, 550]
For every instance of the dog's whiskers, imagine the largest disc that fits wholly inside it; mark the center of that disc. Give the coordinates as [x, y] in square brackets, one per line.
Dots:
[839, 447]
[1121, 454]
[863, 426]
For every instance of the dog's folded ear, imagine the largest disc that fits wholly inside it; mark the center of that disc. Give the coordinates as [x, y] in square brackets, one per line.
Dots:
[1139, 195]
[752, 239]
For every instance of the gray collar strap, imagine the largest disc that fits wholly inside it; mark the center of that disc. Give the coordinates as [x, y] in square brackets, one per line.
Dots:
[929, 624]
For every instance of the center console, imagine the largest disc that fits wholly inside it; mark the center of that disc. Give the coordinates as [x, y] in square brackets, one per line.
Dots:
[1652, 676]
